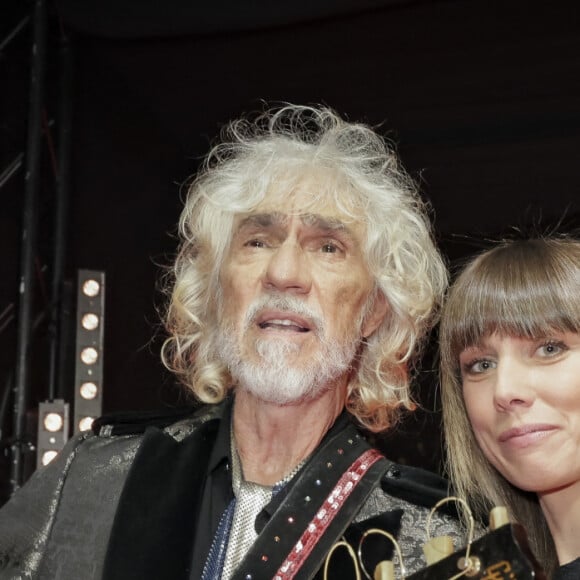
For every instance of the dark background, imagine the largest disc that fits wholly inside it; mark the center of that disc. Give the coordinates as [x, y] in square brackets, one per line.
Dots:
[481, 97]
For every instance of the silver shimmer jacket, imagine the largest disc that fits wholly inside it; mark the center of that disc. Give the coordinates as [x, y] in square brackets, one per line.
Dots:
[121, 503]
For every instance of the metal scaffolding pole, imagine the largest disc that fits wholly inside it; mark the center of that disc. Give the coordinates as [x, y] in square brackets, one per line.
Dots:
[60, 309]
[29, 235]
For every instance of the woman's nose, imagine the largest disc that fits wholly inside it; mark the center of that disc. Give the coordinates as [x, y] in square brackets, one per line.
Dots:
[513, 385]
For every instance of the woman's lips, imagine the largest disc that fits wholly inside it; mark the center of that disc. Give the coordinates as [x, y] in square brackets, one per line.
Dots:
[526, 433]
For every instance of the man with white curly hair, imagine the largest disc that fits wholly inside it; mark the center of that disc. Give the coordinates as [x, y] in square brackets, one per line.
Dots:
[305, 283]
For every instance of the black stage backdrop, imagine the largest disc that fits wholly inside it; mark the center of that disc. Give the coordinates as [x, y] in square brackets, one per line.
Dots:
[482, 98]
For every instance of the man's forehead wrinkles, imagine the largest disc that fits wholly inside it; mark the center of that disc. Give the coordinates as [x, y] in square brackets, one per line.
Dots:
[276, 218]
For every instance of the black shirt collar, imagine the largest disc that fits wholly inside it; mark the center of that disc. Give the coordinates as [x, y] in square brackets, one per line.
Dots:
[221, 452]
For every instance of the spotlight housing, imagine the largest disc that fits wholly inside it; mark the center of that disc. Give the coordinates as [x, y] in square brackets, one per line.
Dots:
[53, 430]
[89, 348]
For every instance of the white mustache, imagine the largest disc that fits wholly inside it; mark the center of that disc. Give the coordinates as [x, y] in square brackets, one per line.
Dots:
[287, 304]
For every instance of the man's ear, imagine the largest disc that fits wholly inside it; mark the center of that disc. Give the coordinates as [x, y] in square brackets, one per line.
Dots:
[376, 315]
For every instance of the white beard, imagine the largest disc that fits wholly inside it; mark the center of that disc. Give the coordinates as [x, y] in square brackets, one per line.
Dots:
[272, 378]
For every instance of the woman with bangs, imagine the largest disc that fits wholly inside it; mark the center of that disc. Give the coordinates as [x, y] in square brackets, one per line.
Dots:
[510, 372]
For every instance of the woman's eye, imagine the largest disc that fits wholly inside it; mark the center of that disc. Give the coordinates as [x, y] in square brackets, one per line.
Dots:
[551, 348]
[478, 367]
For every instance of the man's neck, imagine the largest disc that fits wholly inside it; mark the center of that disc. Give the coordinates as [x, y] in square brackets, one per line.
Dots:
[273, 439]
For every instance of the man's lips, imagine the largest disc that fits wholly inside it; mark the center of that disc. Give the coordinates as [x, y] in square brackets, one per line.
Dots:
[283, 321]
[522, 431]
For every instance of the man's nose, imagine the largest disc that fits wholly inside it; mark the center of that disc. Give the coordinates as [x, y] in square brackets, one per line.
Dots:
[514, 385]
[288, 269]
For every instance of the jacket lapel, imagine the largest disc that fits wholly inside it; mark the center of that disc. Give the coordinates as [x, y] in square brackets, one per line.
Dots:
[153, 531]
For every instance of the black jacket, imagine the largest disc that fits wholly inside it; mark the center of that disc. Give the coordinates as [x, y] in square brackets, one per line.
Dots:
[122, 502]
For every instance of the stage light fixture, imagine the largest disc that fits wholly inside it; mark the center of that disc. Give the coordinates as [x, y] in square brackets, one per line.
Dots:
[86, 423]
[90, 321]
[53, 422]
[53, 430]
[88, 390]
[89, 355]
[89, 349]
[91, 286]
[47, 457]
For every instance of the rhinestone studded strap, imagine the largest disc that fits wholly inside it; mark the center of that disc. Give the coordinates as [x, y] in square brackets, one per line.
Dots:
[325, 498]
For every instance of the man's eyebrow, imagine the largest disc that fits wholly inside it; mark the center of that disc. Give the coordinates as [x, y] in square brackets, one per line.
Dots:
[324, 223]
[263, 220]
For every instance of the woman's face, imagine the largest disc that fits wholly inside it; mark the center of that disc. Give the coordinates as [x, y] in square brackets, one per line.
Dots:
[523, 400]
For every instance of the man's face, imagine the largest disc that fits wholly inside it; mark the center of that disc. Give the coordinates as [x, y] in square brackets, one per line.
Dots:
[295, 298]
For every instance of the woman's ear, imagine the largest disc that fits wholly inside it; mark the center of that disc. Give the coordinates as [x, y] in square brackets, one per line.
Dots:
[376, 314]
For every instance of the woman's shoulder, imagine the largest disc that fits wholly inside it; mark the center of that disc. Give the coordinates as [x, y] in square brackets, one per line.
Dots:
[569, 571]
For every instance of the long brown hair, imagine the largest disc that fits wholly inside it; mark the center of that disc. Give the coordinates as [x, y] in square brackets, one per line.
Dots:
[523, 288]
